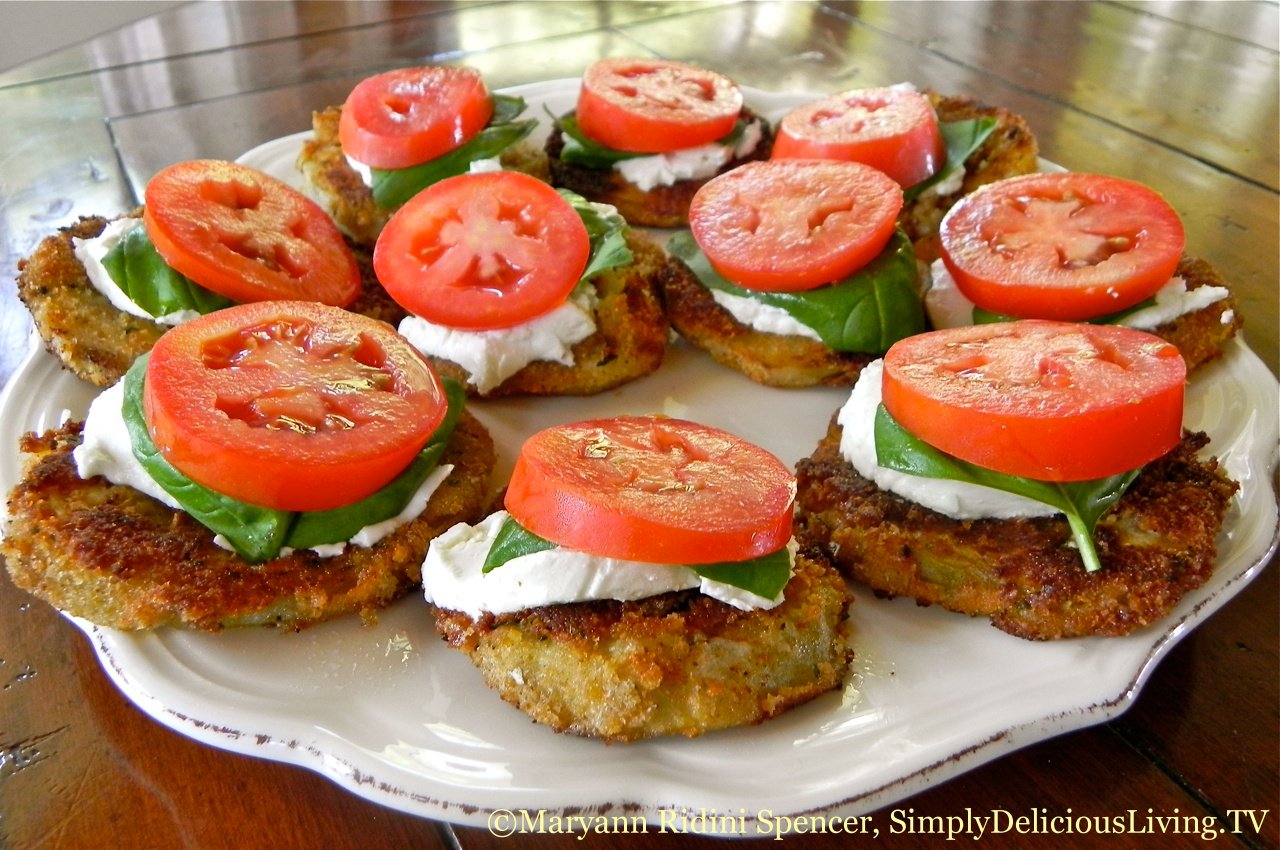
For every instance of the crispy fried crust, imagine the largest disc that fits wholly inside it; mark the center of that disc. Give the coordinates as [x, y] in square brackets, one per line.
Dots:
[1156, 545]
[661, 206]
[338, 188]
[1010, 150]
[676, 664]
[79, 326]
[118, 558]
[629, 342]
[775, 360]
[93, 339]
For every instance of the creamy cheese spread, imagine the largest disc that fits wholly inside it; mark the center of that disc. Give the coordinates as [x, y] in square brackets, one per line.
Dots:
[490, 357]
[666, 169]
[949, 308]
[452, 577]
[90, 253]
[106, 450]
[762, 317]
[956, 499]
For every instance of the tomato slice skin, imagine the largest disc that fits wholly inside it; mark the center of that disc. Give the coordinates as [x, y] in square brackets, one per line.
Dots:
[1070, 245]
[483, 251]
[652, 489]
[655, 105]
[247, 235]
[793, 224]
[408, 116]
[1053, 401]
[290, 405]
[892, 129]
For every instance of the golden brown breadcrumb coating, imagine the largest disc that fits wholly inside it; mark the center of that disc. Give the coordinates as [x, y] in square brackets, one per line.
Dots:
[116, 557]
[680, 663]
[340, 189]
[661, 206]
[98, 342]
[1156, 545]
[629, 343]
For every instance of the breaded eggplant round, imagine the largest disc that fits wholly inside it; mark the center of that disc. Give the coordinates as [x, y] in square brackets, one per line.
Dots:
[118, 558]
[681, 663]
[96, 341]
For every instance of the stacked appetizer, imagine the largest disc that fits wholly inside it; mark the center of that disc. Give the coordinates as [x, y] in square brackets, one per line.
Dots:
[642, 580]
[211, 233]
[647, 133]
[400, 131]
[514, 287]
[1032, 472]
[275, 463]
[794, 271]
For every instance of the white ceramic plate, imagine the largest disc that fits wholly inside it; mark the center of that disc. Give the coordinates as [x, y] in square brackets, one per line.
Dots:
[392, 714]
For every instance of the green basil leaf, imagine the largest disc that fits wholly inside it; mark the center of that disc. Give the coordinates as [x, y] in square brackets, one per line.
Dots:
[990, 317]
[337, 525]
[317, 528]
[393, 187]
[607, 232]
[865, 313]
[961, 139]
[513, 541]
[254, 532]
[1082, 502]
[148, 281]
[506, 108]
[580, 149]
[764, 576]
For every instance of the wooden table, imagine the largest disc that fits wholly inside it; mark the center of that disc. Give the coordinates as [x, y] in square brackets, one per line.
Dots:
[1181, 96]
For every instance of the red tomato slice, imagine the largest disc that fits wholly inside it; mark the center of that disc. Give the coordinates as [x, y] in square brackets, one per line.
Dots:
[483, 251]
[652, 489]
[793, 224]
[1067, 245]
[247, 235]
[653, 105]
[290, 405]
[1054, 401]
[892, 129]
[406, 117]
